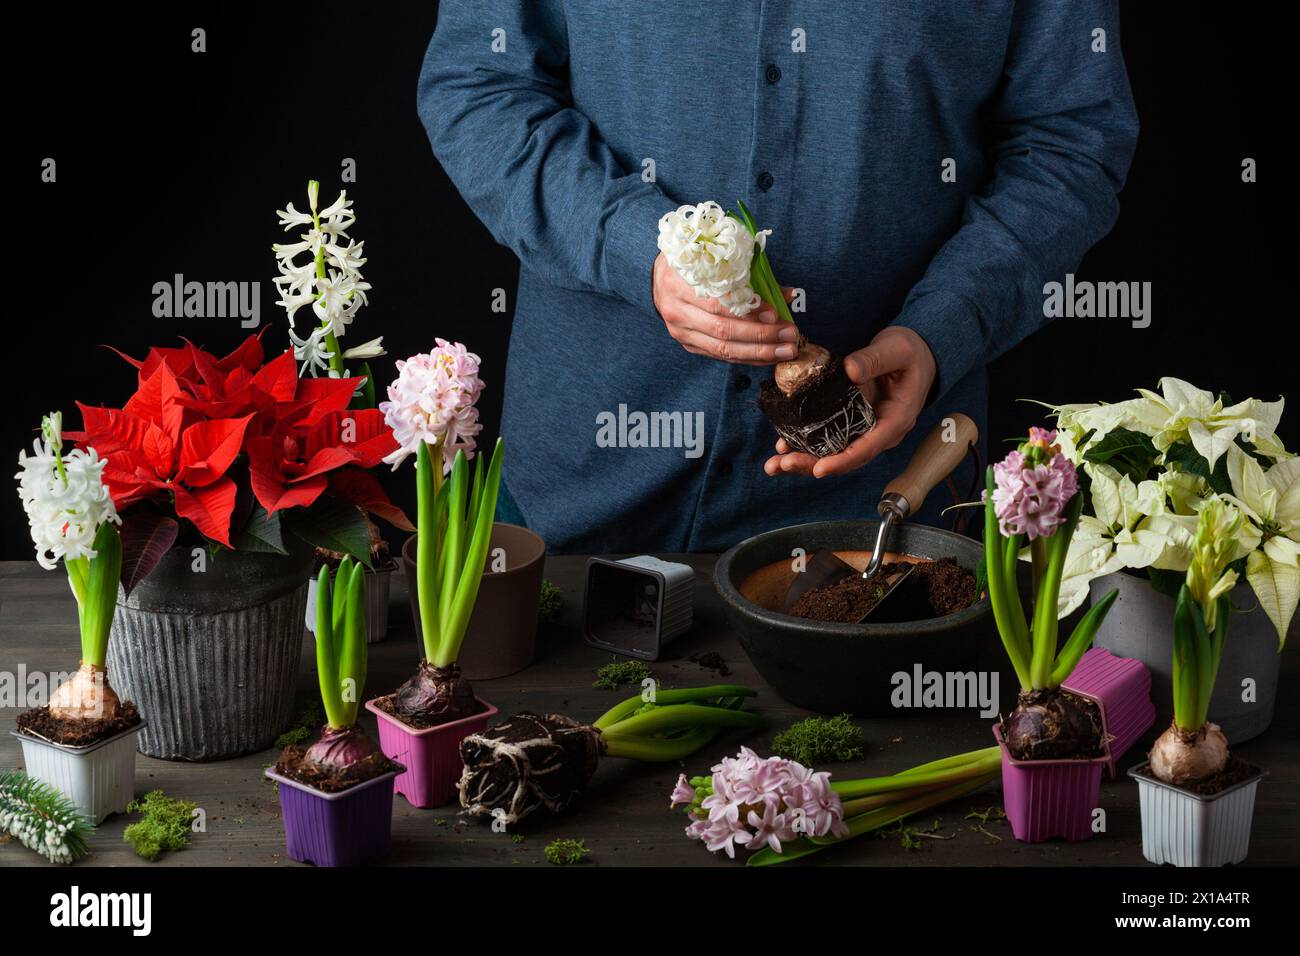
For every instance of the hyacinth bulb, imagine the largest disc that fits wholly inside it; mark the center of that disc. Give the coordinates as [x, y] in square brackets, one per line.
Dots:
[340, 748]
[806, 366]
[1182, 757]
[1047, 725]
[86, 696]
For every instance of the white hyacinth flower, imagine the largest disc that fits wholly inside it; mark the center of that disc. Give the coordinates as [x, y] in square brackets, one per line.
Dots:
[334, 296]
[311, 351]
[712, 252]
[65, 507]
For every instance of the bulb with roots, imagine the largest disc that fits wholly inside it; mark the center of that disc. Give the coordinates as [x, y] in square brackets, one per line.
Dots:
[86, 695]
[1181, 757]
[810, 361]
[1048, 725]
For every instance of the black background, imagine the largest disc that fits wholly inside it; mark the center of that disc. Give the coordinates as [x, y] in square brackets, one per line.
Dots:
[172, 161]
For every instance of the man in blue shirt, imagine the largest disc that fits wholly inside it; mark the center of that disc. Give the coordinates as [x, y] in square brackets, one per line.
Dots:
[925, 167]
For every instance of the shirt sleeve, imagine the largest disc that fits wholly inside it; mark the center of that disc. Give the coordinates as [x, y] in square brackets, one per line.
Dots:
[494, 97]
[1062, 133]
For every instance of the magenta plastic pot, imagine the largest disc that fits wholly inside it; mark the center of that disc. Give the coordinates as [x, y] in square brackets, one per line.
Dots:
[347, 828]
[431, 756]
[1050, 799]
[1121, 688]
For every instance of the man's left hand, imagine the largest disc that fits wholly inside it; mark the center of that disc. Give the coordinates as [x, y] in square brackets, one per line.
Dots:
[895, 373]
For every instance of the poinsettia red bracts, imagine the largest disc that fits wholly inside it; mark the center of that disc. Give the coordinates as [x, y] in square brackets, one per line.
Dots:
[193, 414]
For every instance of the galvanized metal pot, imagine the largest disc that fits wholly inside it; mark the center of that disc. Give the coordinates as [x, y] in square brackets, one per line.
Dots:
[1140, 625]
[208, 647]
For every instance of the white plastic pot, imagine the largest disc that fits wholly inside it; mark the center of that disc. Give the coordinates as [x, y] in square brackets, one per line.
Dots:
[1188, 829]
[99, 779]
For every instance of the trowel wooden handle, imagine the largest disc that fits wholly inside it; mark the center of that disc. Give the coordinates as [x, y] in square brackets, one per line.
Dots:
[941, 452]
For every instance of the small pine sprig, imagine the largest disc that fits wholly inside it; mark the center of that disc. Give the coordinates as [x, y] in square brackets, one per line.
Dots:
[42, 818]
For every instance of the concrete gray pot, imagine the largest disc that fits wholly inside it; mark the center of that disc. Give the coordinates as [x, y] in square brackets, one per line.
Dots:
[211, 657]
[1140, 625]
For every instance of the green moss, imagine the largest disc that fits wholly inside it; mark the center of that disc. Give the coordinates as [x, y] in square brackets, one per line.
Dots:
[550, 604]
[309, 718]
[165, 826]
[617, 673]
[564, 852]
[819, 740]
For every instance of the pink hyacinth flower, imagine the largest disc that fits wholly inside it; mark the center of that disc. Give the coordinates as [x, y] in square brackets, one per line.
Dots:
[1030, 499]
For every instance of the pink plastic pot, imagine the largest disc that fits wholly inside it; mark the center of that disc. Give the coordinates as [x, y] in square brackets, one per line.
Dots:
[1121, 688]
[431, 756]
[1050, 799]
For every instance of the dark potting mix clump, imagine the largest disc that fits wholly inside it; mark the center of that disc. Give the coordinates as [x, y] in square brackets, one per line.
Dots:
[822, 417]
[330, 779]
[1235, 771]
[39, 722]
[933, 589]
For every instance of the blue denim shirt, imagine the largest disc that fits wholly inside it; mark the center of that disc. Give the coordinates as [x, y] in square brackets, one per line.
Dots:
[571, 126]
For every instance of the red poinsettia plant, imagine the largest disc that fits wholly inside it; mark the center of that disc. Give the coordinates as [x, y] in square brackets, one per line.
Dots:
[243, 450]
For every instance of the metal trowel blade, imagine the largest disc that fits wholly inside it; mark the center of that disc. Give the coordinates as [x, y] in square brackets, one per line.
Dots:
[827, 568]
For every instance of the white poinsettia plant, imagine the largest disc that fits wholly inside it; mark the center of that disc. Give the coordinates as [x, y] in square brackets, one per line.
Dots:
[1154, 462]
[323, 270]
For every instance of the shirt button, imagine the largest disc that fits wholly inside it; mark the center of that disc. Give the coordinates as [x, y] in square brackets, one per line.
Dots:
[742, 383]
[765, 181]
[773, 73]
[724, 469]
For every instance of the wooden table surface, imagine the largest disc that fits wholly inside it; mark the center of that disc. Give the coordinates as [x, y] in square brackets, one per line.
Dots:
[625, 818]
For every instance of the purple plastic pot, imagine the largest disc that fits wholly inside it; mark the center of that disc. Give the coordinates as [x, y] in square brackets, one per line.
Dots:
[431, 756]
[347, 828]
[1121, 688]
[1049, 799]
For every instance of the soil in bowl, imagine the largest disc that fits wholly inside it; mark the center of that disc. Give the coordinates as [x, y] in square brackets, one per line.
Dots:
[331, 779]
[39, 722]
[933, 589]
[1235, 771]
[823, 415]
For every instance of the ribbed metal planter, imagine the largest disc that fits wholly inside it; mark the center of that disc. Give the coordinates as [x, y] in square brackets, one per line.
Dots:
[211, 657]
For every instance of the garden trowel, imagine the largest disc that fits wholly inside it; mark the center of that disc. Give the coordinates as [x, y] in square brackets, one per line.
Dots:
[941, 452]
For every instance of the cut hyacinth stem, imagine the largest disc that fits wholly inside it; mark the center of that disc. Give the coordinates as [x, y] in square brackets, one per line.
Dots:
[762, 278]
[470, 572]
[1010, 621]
[975, 765]
[669, 718]
[96, 607]
[868, 822]
[428, 478]
[688, 695]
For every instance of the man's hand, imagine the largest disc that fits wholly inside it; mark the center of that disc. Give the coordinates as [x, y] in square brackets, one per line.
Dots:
[705, 327]
[895, 372]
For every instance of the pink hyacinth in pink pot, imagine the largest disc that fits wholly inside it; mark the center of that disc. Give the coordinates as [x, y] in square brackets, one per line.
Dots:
[1033, 486]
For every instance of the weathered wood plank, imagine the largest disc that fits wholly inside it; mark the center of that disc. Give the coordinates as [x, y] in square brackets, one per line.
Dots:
[625, 820]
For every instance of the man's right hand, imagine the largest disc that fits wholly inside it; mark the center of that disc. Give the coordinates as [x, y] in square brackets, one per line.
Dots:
[705, 327]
